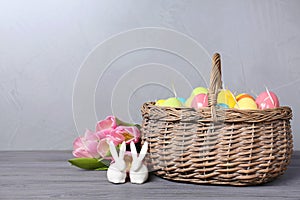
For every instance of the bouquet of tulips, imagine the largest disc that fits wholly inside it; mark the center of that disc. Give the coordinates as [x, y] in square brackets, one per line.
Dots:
[91, 150]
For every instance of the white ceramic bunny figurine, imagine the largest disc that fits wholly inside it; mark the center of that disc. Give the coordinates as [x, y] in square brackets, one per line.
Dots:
[116, 172]
[138, 172]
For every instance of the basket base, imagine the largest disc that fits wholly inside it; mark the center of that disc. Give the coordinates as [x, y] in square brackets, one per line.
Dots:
[216, 182]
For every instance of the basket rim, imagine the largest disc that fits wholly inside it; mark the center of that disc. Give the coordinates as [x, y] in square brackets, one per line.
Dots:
[227, 115]
[152, 103]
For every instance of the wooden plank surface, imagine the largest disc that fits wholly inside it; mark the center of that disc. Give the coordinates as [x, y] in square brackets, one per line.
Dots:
[48, 175]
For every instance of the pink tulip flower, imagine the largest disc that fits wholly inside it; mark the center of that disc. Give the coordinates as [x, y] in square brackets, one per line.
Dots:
[96, 144]
[86, 146]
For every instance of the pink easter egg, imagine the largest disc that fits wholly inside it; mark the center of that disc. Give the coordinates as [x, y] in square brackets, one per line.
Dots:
[267, 100]
[200, 101]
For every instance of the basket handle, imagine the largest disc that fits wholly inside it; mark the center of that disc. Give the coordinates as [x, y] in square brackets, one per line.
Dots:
[215, 80]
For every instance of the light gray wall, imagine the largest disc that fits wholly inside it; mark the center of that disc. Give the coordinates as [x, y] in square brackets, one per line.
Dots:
[43, 44]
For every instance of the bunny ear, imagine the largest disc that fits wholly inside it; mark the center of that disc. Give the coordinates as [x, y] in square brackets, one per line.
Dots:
[122, 150]
[113, 150]
[143, 151]
[133, 150]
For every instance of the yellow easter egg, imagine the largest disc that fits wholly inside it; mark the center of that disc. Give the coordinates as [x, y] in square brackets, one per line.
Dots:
[246, 103]
[243, 95]
[160, 102]
[226, 97]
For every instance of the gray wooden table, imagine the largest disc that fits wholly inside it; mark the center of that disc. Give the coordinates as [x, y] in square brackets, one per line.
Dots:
[47, 175]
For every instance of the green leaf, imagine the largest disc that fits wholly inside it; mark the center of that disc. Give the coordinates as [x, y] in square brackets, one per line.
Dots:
[89, 163]
[121, 123]
[138, 126]
[102, 168]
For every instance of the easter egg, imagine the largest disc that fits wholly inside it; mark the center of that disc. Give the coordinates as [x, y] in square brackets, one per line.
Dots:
[172, 102]
[159, 102]
[243, 95]
[246, 103]
[222, 105]
[199, 90]
[226, 97]
[188, 102]
[181, 99]
[267, 100]
[200, 101]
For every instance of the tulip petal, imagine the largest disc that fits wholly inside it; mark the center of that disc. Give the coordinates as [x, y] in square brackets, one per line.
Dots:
[81, 153]
[103, 148]
[103, 133]
[130, 133]
[116, 138]
[77, 143]
[89, 135]
[109, 122]
[91, 147]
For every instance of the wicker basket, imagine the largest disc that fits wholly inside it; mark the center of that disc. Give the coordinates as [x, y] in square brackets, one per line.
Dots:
[217, 146]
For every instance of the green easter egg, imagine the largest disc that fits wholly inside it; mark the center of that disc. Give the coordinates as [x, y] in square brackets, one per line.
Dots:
[199, 90]
[172, 102]
[188, 102]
